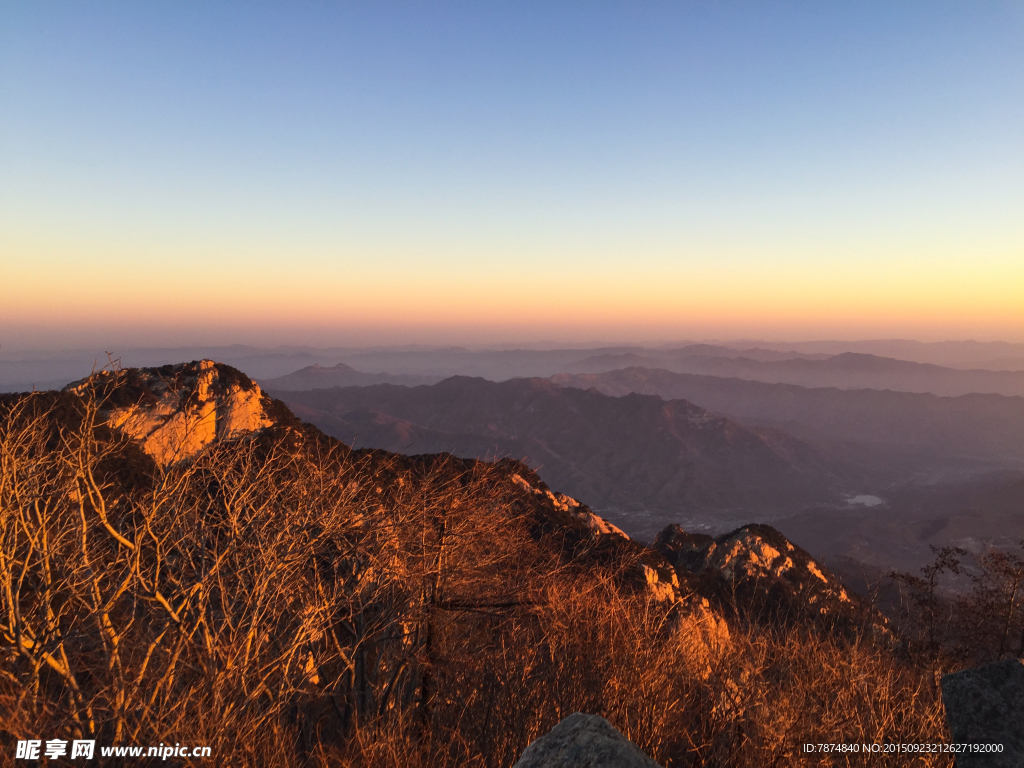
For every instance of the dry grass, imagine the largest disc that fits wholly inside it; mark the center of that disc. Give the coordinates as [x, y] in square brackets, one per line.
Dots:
[289, 603]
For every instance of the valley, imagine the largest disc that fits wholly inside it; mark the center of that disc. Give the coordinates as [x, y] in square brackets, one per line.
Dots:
[651, 447]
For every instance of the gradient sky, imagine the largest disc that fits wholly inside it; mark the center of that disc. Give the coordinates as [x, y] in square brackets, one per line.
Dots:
[468, 172]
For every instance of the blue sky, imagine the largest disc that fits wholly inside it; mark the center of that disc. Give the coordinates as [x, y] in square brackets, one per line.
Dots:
[422, 171]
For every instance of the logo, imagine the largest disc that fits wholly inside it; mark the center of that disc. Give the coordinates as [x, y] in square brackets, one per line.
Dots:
[30, 749]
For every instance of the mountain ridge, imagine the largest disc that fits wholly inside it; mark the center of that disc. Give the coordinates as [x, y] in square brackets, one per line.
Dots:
[847, 370]
[318, 376]
[638, 452]
[965, 427]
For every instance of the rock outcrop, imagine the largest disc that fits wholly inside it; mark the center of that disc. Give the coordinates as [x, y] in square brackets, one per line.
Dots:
[757, 571]
[595, 523]
[985, 706]
[584, 741]
[695, 622]
[177, 410]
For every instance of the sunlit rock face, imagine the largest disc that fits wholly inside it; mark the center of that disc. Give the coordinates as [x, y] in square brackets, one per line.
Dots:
[593, 522]
[176, 411]
[759, 552]
[704, 634]
[755, 569]
[695, 623]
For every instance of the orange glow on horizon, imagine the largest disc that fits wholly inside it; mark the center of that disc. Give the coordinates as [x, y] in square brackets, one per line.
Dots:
[495, 298]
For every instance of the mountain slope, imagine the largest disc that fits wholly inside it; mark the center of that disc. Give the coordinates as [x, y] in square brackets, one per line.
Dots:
[285, 600]
[635, 454]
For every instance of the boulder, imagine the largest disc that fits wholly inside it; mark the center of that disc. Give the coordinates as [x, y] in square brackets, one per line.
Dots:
[985, 705]
[584, 741]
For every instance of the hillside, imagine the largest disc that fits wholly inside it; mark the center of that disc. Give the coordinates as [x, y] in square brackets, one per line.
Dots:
[644, 458]
[359, 607]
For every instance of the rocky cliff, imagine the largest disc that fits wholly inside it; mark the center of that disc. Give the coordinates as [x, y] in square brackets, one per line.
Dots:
[177, 410]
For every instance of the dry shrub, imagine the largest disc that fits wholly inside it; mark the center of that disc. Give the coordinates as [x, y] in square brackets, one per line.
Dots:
[799, 687]
[288, 602]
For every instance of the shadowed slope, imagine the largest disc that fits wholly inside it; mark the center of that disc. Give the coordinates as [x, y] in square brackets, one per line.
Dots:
[914, 430]
[636, 452]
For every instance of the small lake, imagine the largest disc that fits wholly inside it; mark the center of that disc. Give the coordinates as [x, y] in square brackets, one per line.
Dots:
[865, 500]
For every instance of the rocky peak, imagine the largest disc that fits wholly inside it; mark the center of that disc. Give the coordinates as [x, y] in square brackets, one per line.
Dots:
[757, 570]
[175, 411]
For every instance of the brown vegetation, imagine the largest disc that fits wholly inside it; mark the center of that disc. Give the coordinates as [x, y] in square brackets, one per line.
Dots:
[964, 610]
[289, 602]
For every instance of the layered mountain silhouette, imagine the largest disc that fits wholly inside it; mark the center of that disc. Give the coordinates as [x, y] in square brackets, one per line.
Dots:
[911, 432]
[849, 370]
[989, 355]
[42, 370]
[637, 453]
[341, 375]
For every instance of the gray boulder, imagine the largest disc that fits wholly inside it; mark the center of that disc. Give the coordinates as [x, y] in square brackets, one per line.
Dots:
[584, 741]
[985, 705]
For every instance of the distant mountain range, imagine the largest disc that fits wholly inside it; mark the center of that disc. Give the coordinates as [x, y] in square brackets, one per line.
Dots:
[874, 476]
[503, 363]
[637, 454]
[912, 430]
[42, 369]
[341, 375]
[848, 370]
[991, 355]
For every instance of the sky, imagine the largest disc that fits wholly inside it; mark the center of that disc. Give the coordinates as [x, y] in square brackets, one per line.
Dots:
[365, 173]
